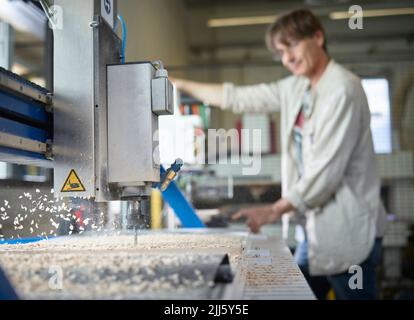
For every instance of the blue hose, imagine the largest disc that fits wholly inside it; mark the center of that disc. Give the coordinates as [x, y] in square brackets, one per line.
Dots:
[124, 37]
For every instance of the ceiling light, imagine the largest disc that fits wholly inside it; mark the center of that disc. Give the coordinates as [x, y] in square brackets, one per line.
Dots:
[240, 21]
[338, 15]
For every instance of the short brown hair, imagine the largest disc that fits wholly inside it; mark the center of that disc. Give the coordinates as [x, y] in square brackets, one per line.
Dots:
[294, 26]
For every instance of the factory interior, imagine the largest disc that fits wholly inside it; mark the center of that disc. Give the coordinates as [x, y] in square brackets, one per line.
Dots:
[117, 183]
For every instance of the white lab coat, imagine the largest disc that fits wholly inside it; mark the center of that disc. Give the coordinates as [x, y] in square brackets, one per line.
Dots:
[339, 193]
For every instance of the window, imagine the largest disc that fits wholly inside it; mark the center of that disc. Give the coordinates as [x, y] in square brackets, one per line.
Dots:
[377, 91]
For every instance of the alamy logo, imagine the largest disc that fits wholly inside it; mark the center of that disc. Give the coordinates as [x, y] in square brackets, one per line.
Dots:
[56, 279]
[223, 147]
[108, 7]
[356, 17]
[355, 282]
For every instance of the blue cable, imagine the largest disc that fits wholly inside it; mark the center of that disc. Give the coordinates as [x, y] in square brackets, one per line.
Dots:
[124, 37]
[181, 206]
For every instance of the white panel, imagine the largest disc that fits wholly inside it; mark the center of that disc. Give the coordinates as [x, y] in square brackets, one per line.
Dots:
[377, 92]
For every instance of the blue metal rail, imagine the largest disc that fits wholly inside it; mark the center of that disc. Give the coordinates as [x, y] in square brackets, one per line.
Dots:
[25, 108]
[23, 114]
[6, 290]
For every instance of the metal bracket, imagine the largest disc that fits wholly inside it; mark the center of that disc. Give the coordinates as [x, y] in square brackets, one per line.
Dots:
[20, 143]
[49, 150]
[96, 22]
[49, 105]
[15, 83]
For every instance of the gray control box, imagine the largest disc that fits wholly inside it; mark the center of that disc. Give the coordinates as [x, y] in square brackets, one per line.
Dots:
[133, 155]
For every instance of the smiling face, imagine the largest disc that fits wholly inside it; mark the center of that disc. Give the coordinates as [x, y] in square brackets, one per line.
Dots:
[301, 57]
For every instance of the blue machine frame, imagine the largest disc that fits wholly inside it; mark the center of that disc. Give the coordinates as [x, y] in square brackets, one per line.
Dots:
[24, 114]
[6, 290]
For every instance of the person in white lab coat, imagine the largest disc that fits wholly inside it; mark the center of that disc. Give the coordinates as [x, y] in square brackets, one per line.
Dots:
[330, 181]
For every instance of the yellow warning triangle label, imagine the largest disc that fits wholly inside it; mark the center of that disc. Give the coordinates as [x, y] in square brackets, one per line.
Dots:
[73, 183]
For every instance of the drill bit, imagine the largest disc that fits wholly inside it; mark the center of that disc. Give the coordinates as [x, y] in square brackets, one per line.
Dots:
[137, 223]
[134, 211]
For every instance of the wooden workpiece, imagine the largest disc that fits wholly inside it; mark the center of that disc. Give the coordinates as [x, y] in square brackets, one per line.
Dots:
[177, 265]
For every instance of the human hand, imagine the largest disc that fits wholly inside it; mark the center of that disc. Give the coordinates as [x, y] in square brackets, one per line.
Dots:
[257, 217]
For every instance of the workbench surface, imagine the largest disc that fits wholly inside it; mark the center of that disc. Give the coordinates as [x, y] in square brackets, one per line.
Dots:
[163, 265]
